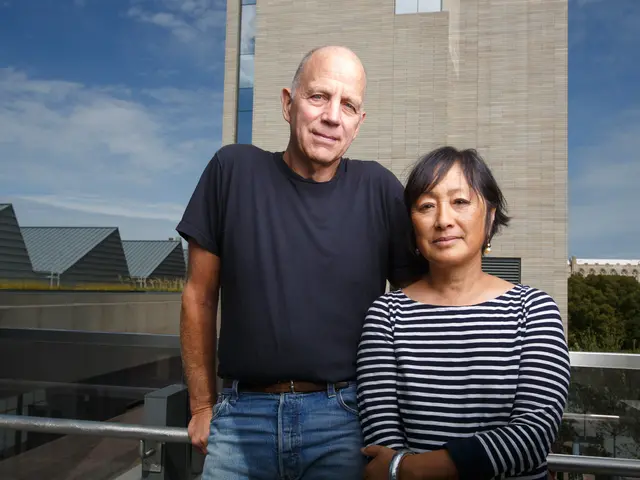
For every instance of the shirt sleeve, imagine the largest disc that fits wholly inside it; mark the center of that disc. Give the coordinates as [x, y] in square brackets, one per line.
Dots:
[405, 267]
[541, 396]
[202, 219]
[376, 378]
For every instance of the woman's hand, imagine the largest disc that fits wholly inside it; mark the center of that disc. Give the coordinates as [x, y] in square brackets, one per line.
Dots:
[378, 467]
[436, 465]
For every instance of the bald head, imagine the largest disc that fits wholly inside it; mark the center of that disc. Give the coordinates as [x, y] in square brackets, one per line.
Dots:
[324, 106]
[328, 53]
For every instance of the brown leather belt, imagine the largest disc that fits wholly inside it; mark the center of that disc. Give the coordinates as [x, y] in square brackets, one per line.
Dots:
[292, 386]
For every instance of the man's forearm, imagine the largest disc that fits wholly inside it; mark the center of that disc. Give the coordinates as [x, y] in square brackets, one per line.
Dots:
[198, 340]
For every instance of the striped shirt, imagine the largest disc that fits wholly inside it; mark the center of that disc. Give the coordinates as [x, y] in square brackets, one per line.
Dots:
[488, 382]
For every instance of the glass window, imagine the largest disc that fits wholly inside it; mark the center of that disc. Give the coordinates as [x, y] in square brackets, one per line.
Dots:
[248, 2]
[245, 121]
[406, 6]
[425, 6]
[246, 71]
[247, 30]
[245, 99]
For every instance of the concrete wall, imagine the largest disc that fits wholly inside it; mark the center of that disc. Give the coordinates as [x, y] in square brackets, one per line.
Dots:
[157, 313]
[484, 74]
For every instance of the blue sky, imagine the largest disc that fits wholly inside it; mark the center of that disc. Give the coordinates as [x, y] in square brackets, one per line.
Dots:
[109, 110]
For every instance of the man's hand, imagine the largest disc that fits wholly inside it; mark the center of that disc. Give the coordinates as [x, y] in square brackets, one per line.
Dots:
[378, 467]
[199, 429]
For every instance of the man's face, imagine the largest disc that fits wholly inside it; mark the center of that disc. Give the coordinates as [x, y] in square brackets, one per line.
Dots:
[326, 111]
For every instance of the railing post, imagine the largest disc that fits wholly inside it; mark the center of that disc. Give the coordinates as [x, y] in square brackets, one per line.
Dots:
[166, 461]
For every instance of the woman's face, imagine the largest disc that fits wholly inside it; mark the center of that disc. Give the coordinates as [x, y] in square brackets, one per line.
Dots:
[449, 221]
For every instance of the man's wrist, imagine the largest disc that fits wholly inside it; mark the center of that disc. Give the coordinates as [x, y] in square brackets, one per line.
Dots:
[201, 406]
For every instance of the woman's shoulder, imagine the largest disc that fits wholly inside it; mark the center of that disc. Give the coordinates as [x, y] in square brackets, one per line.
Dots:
[532, 296]
[388, 299]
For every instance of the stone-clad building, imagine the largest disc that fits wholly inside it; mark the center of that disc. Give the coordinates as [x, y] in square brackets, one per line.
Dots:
[471, 73]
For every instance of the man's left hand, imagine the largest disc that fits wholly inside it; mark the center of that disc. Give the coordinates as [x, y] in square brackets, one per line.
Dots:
[378, 467]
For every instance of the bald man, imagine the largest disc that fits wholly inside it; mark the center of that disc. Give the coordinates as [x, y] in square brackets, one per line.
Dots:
[299, 243]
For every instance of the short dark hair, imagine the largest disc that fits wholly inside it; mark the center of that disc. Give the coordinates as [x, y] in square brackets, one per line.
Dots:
[433, 166]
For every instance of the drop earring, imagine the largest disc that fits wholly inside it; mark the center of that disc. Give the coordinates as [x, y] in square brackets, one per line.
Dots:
[487, 249]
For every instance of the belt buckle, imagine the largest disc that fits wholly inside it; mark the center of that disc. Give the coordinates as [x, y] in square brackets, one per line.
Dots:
[291, 387]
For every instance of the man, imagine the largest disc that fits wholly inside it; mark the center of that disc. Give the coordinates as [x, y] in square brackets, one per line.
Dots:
[300, 243]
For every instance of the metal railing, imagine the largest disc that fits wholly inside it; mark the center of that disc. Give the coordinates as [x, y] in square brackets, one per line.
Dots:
[558, 463]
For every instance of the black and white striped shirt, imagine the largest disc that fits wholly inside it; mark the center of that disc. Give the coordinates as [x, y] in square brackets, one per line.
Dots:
[488, 382]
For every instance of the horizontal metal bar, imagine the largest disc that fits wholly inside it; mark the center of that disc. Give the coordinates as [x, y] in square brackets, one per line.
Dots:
[33, 385]
[100, 429]
[624, 361]
[594, 465]
[120, 339]
[557, 463]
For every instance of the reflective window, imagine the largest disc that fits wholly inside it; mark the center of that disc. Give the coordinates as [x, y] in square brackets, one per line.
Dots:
[245, 72]
[406, 6]
[245, 99]
[418, 6]
[426, 6]
[247, 30]
[245, 121]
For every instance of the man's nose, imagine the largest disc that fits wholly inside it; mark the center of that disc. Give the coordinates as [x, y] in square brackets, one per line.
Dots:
[332, 112]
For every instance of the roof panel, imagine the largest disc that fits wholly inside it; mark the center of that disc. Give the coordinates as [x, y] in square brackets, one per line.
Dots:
[4, 205]
[144, 256]
[56, 249]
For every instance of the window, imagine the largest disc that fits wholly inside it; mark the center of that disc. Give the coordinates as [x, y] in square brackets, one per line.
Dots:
[244, 101]
[418, 6]
[428, 6]
[243, 131]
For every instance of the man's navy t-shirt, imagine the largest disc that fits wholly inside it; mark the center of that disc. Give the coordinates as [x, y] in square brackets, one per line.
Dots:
[301, 261]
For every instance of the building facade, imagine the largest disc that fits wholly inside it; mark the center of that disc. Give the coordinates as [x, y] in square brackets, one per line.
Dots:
[604, 266]
[487, 74]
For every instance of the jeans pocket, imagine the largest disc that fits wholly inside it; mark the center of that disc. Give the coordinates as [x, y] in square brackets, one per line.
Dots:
[220, 406]
[347, 399]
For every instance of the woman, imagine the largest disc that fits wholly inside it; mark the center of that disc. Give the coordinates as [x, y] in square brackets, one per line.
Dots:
[462, 374]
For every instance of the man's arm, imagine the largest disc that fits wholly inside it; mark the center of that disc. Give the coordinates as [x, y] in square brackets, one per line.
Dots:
[198, 327]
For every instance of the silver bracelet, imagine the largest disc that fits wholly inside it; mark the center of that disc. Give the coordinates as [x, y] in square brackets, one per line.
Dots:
[394, 465]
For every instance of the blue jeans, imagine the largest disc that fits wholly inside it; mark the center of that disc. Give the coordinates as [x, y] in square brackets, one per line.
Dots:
[289, 436]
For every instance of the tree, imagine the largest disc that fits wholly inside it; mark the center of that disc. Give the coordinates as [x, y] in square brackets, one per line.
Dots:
[604, 313]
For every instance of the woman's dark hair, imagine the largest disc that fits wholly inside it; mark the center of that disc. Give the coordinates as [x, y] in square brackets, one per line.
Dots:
[432, 167]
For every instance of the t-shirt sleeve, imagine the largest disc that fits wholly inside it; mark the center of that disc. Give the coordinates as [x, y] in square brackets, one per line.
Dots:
[202, 219]
[405, 266]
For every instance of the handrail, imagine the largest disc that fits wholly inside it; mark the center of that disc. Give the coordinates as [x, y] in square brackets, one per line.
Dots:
[90, 427]
[558, 463]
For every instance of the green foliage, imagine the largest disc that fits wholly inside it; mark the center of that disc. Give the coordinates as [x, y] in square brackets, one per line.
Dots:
[604, 313]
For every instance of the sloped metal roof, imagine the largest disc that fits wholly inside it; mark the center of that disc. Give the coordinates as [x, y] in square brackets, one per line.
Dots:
[4, 205]
[56, 249]
[144, 256]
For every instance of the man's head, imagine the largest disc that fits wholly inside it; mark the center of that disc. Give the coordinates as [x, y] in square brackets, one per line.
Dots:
[325, 104]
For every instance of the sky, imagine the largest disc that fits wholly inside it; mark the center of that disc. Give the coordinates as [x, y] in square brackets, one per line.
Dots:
[109, 111]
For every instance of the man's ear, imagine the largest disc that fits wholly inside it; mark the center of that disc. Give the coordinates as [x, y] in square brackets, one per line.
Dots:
[287, 100]
[363, 114]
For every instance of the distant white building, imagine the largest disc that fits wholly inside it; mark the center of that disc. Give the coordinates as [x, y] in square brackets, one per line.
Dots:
[604, 266]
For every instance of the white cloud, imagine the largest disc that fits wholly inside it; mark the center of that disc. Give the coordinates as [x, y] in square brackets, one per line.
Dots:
[106, 149]
[604, 216]
[196, 24]
[121, 207]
